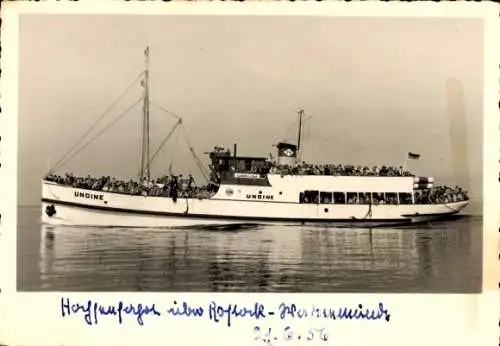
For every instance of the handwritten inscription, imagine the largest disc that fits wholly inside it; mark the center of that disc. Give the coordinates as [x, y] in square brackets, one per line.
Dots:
[218, 312]
[92, 311]
[270, 335]
[226, 312]
[342, 313]
[185, 309]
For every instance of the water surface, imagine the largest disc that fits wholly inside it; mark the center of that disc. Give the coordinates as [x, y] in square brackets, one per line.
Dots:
[438, 257]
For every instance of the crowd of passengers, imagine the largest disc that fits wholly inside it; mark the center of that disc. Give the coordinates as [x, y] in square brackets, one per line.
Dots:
[436, 195]
[441, 194]
[165, 186]
[331, 169]
[179, 187]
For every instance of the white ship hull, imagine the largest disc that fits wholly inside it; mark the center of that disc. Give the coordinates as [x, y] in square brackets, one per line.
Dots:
[62, 205]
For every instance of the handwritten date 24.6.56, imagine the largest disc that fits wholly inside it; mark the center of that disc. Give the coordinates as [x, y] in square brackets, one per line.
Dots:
[269, 336]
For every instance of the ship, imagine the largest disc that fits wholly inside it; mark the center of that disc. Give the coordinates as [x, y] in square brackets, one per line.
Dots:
[243, 190]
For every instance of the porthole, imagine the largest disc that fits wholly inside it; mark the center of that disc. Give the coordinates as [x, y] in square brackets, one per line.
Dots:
[326, 210]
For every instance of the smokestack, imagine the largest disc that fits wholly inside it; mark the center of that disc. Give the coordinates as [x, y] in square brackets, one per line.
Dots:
[234, 152]
[287, 154]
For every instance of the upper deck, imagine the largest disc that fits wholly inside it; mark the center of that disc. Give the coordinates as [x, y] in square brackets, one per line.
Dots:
[260, 172]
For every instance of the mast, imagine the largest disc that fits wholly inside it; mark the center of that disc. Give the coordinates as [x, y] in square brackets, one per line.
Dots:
[145, 171]
[301, 113]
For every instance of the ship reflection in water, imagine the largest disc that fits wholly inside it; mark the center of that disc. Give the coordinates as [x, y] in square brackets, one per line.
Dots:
[443, 258]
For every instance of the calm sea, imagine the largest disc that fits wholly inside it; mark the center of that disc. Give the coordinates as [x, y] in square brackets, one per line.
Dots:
[439, 257]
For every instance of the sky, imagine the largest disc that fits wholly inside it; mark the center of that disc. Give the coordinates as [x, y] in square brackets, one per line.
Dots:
[373, 89]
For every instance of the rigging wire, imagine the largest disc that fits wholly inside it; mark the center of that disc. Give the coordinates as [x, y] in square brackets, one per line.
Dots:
[176, 145]
[197, 160]
[60, 162]
[102, 131]
[165, 110]
[163, 142]
[186, 137]
[307, 132]
[294, 138]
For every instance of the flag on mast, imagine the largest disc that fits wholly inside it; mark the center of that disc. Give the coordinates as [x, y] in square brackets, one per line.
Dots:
[146, 51]
[413, 156]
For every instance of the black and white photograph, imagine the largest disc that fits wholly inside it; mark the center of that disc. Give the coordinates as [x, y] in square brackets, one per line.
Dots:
[248, 153]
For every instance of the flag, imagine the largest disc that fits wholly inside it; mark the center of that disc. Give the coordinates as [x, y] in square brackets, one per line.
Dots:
[146, 51]
[413, 156]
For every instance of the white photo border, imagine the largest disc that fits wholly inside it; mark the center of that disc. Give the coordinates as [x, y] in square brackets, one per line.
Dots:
[34, 318]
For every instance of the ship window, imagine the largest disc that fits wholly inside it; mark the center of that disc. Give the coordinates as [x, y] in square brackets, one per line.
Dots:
[311, 197]
[325, 197]
[240, 166]
[314, 197]
[352, 198]
[368, 198]
[379, 198]
[405, 198]
[391, 198]
[362, 198]
[248, 165]
[339, 197]
[307, 197]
